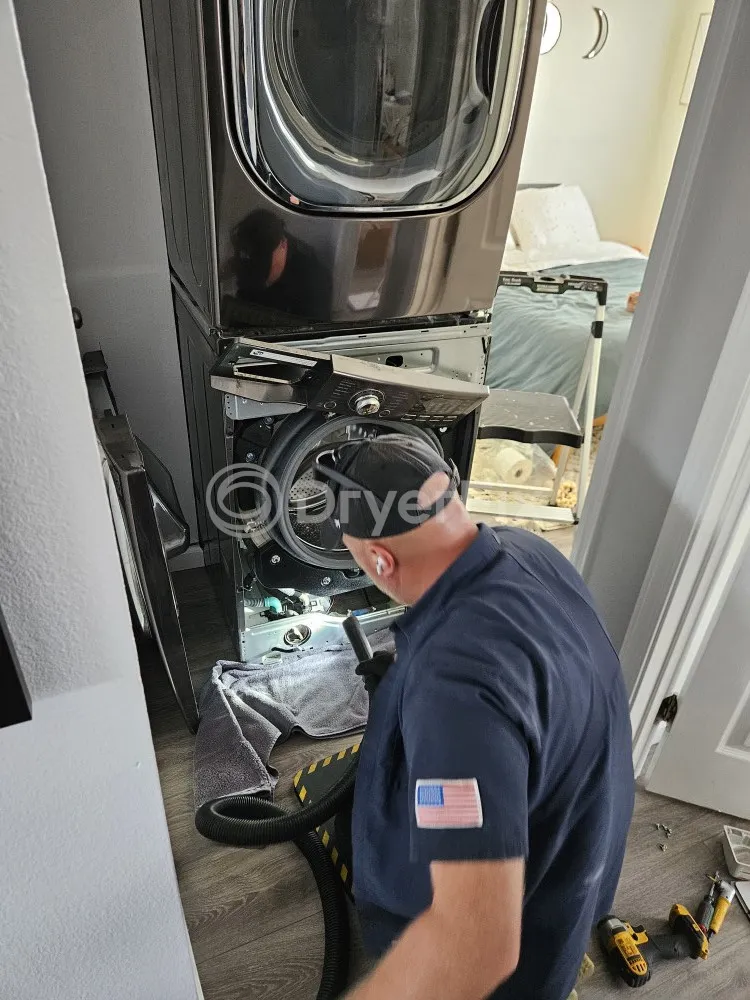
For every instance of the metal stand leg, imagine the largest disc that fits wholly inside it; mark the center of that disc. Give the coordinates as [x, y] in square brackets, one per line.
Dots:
[588, 425]
[577, 401]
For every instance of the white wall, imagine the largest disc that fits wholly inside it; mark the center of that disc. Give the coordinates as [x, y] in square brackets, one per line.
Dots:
[594, 122]
[87, 70]
[672, 117]
[89, 907]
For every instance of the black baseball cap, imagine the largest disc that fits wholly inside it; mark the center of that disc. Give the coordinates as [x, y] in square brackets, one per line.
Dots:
[376, 483]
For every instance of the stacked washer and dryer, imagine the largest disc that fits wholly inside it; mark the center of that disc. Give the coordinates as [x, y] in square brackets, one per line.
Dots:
[337, 180]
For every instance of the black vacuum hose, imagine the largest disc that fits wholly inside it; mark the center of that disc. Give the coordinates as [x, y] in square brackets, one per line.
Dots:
[249, 821]
[357, 638]
[256, 822]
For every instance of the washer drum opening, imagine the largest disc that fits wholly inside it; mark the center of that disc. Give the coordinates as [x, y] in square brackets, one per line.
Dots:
[301, 498]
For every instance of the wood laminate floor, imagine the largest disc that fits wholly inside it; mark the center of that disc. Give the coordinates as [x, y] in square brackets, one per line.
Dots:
[254, 916]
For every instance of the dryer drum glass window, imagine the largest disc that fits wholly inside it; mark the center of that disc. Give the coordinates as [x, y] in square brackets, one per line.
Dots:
[375, 104]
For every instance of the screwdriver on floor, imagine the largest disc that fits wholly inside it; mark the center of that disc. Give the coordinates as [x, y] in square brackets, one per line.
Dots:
[706, 909]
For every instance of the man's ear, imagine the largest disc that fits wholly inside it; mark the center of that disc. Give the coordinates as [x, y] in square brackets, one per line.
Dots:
[383, 561]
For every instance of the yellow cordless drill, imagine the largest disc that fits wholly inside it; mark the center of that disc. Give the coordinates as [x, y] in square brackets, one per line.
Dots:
[631, 952]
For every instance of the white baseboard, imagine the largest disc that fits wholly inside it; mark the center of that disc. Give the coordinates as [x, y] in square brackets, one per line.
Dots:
[191, 558]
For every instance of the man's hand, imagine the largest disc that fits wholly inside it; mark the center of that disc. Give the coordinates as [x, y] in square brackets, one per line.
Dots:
[465, 945]
[372, 671]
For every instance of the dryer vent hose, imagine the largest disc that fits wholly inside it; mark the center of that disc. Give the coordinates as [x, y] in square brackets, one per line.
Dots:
[249, 821]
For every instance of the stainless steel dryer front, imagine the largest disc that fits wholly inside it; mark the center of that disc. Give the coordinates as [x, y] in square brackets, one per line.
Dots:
[340, 162]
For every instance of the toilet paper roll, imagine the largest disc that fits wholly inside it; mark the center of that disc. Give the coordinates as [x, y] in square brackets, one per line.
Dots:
[513, 466]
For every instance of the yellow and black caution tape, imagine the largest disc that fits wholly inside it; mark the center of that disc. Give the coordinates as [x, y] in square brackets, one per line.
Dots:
[326, 830]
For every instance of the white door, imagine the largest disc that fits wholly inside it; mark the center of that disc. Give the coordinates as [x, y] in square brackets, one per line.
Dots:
[689, 636]
[706, 757]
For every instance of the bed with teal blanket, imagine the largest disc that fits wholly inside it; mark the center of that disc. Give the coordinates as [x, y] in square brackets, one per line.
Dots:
[539, 341]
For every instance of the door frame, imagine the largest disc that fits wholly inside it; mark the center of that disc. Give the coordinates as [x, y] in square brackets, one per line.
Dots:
[706, 529]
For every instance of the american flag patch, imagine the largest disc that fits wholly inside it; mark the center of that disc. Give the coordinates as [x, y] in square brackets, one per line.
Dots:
[448, 804]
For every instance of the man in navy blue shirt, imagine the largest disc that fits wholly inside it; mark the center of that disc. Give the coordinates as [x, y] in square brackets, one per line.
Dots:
[495, 783]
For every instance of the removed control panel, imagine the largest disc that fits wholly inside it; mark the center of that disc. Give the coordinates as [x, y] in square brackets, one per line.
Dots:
[342, 385]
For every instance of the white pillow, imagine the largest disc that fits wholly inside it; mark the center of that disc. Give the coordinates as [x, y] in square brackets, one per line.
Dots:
[553, 216]
[510, 243]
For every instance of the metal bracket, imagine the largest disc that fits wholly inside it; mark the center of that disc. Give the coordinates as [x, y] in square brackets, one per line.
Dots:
[238, 408]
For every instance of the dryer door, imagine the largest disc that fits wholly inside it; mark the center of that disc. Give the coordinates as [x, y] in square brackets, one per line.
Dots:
[376, 105]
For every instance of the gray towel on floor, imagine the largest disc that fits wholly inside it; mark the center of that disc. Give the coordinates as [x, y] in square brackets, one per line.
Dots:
[246, 708]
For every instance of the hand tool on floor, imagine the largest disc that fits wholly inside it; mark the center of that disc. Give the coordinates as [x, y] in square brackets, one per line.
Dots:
[724, 897]
[632, 953]
[706, 909]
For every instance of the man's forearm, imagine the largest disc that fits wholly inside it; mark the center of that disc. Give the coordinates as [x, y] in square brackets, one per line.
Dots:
[434, 959]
